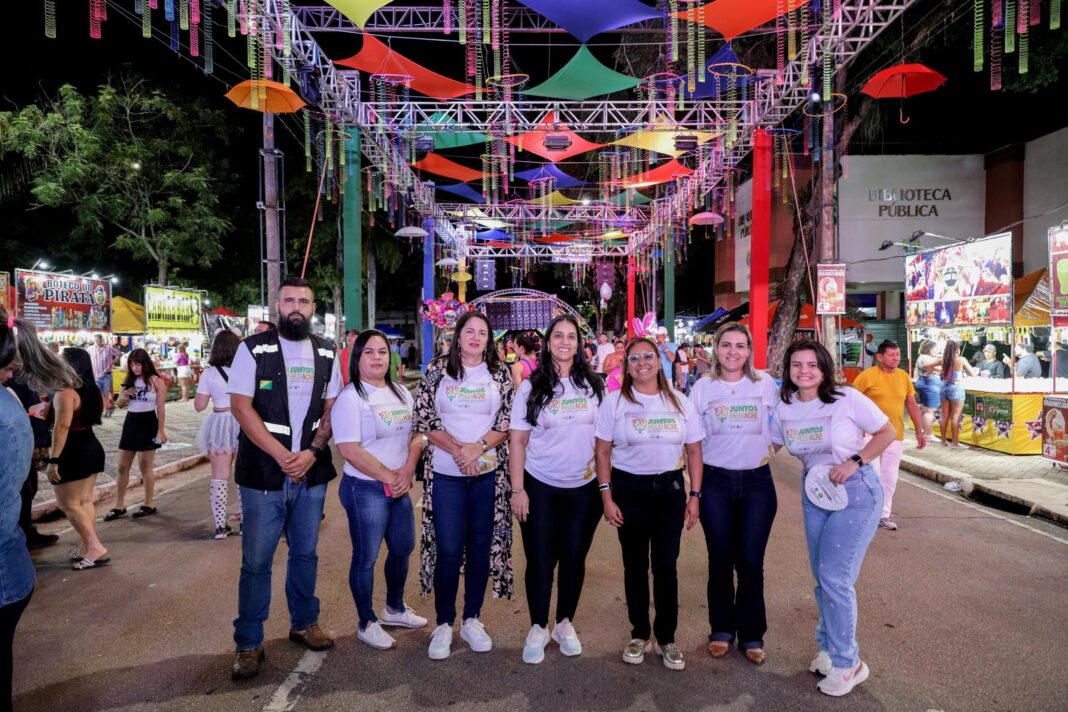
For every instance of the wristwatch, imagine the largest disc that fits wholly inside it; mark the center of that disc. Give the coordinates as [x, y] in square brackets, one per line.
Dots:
[857, 459]
[485, 444]
[695, 493]
[315, 450]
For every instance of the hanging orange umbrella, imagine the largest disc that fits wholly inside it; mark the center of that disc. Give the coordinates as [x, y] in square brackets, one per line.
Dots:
[901, 82]
[272, 97]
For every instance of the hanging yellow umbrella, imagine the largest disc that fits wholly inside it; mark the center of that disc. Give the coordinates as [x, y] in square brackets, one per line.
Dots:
[263, 95]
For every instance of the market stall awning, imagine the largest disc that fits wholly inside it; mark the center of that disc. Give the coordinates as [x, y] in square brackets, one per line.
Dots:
[806, 321]
[223, 311]
[583, 77]
[127, 317]
[1032, 298]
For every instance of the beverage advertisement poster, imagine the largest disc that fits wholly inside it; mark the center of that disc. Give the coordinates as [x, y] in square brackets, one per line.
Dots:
[5, 286]
[168, 309]
[966, 284]
[830, 288]
[59, 302]
[1058, 270]
[1054, 430]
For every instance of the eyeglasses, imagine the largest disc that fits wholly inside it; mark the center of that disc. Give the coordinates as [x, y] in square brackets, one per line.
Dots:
[643, 356]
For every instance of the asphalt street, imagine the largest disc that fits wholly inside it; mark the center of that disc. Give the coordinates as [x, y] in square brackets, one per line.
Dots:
[963, 608]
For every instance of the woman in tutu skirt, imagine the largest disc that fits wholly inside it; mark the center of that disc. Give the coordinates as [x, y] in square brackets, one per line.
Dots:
[218, 434]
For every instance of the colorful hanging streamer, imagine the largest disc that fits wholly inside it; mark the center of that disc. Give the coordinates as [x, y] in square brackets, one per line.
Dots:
[50, 19]
[209, 39]
[978, 27]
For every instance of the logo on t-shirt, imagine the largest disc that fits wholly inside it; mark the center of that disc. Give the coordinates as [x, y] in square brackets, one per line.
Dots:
[464, 393]
[300, 374]
[567, 405]
[738, 415]
[654, 427]
[811, 435]
[390, 416]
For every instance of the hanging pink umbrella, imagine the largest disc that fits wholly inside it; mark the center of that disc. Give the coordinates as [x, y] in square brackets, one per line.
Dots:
[706, 218]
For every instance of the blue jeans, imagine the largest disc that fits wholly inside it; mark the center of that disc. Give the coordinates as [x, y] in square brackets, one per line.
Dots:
[737, 510]
[837, 542]
[463, 528]
[373, 517]
[296, 509]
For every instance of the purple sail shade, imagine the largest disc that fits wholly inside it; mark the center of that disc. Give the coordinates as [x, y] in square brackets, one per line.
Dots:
[586, 18]
[463, 190]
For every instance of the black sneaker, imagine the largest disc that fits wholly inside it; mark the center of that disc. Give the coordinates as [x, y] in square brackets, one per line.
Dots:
[223, 532]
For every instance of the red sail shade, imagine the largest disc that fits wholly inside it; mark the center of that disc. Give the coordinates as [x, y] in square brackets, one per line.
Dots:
[731, 18]
[439, 165]
[376, 58]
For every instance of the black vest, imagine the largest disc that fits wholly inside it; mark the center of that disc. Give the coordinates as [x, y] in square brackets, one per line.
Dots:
[256, 469]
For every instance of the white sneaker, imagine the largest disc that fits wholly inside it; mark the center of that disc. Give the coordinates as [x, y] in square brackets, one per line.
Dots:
[373, 635]
[565, 636]
[440, 642]
[841, 681]
[821, 664]
[474, 634]
[888, 523]
[534, 648]
[405, 619]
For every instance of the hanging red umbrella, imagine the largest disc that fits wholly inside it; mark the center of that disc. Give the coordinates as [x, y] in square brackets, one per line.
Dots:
[901, 82]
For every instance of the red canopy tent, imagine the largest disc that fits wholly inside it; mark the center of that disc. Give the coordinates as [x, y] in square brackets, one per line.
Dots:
[807, 320]
[223, 311]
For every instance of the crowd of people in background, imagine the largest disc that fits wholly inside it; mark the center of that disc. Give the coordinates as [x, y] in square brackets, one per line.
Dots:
[558, 432]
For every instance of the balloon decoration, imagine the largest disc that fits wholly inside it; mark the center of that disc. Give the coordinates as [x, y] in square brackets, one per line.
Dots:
[645, 328]
[444, 312]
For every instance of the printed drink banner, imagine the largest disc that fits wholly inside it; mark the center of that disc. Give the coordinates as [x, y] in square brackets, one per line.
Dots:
[169, 309]
[1058, 269]
[965, 284]
[5, 285]
[830, 289]
[58, 302]
[1055, 429]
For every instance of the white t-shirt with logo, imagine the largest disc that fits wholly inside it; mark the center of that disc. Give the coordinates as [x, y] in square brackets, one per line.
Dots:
[826, 433]
[214, 385]
[299, 361]
[381, 423]
[468, 409]
[560, 449]
[648, 437]
[735, 419]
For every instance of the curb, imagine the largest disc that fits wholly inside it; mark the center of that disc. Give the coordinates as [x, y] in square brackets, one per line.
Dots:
[104, 491]
[969, 485]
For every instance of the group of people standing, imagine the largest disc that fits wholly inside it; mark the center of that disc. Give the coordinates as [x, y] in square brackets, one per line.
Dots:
[558, 454]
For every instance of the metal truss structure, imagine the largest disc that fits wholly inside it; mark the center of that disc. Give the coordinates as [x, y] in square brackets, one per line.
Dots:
[770, 102]
[519, 212]
[582, 252]
[431, 20]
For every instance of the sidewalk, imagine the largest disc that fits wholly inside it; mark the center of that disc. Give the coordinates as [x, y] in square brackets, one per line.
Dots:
[1024, 480]
[180, 453]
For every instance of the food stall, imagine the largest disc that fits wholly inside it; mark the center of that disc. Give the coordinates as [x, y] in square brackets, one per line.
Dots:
[1055, 407]
[66, 309]
[171, 316]
[964, 292]
[128, 323]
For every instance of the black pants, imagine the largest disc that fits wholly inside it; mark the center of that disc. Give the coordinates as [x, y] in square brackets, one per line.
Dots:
[28, 492]
[558, 531]
[654, 509]
[9, 619]
[737, 510]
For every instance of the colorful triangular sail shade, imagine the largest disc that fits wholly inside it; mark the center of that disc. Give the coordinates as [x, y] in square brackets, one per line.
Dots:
[534, 141]
[661, 174]
[586, 18]
[555, 199]
[463, 190]
[631, 196]
[661, 138]
[549, 170]
[581, 78]
[441, 166]
[731, 18]
[359, 11]
[443, 129]
[376, 58]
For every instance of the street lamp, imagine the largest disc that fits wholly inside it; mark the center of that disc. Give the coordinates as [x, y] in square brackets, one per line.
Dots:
[39, 263]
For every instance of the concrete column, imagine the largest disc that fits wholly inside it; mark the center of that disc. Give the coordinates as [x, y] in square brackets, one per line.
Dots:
[352, 227]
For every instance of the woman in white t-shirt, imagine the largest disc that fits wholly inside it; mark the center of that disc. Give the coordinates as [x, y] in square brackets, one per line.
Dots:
[463, 405]
[825, 426]
[554, 491]
[219, 431]
[738, 502]
[372, 421]
[647, 433]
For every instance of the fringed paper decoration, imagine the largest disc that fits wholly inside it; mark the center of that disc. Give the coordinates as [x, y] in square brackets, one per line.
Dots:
[231, 18]
[1055, 15]
[701, 46]
[978, 26]
[50, 18]
[461, 21]
[446, 15]
[1010, 26]
[673, 30]
[97, 14]
[995, 61]
[691, 56]
[168, 10]
[183, 14]
[804, 44]
[827, 48]
[791, 35]
[174, 36]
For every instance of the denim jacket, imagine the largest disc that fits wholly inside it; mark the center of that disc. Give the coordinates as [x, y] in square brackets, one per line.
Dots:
[16, 569]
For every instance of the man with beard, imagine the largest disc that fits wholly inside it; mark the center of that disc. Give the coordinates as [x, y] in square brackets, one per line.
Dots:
[282, 386]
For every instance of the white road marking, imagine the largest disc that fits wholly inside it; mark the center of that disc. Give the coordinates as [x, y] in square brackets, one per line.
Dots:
[287, 695]
[985, 510]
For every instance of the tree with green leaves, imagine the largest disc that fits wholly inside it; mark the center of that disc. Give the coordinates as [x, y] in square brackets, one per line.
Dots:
[138, 168]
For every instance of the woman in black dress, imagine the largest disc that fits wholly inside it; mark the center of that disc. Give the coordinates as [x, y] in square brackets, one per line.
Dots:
[77, 457]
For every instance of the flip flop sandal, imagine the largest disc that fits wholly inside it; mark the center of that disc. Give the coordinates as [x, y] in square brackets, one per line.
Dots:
[89, 564]
[74, 556]
[114, 514]
[718, 648]
[143, 511]
[756, 656]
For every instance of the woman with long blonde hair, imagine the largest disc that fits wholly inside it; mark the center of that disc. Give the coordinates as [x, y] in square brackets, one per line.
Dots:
[738, 502]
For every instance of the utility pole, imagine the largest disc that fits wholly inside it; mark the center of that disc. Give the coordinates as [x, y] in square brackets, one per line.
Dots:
[828, 245]
[269, 207]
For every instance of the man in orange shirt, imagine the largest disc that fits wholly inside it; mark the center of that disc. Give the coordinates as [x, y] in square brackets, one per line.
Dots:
[891, 389]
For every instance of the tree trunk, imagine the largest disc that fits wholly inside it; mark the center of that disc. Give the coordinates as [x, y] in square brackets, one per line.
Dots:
[372, 283]
[338, 294]
[791, 294]
[161, 275]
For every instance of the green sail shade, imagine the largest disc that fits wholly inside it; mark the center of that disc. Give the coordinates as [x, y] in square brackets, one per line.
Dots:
[443, 128]
[582, 78]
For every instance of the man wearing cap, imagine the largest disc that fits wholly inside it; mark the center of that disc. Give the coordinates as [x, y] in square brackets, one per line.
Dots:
[990, 366]
[667, 352]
